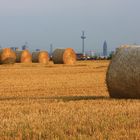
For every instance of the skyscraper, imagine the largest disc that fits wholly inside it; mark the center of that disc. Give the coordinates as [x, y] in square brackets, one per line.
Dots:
[105, 49]
[83, 37]
[24, 47]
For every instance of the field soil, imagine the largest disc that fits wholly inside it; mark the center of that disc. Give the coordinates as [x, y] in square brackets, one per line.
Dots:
[63, 102]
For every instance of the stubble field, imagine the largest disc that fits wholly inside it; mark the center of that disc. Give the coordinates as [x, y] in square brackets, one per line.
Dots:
[63, 102]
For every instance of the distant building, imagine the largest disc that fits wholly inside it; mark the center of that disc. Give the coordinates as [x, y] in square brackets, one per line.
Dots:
[105, 49]
[25, 47]
[51, 50]
[80, 56]
[15, 48]
[83, 37]
[90, 53]
[37, 50]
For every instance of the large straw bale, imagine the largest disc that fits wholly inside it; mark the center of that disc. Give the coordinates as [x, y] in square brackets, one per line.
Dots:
[123, 75]
[23, 56]
[64, 56]
[40, 57]
[7, 56]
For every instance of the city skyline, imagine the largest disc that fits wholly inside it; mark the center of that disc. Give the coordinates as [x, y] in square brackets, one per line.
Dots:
[41, 23]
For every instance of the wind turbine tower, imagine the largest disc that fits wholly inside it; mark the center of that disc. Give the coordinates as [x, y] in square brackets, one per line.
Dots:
[83, 37]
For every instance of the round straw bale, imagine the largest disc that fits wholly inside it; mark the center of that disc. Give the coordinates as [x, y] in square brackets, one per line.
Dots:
[23, 56]
[40, 57]
[64, 56]
[123, 47]
[123, 75]
[7, 56]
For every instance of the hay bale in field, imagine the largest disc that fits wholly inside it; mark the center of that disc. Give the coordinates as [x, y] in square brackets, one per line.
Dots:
[122, 47]
[7, 56]
[64, 56]
[40, 57]
[23, 56]
[123, 75]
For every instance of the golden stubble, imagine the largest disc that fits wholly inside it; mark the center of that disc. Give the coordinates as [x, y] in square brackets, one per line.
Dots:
[63, 102]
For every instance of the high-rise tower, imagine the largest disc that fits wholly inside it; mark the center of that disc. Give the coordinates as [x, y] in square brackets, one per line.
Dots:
[24, 47]
[105, 49]
[83, 43]
[51, 49]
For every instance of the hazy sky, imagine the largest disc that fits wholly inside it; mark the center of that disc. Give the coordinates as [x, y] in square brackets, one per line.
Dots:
[60, 22]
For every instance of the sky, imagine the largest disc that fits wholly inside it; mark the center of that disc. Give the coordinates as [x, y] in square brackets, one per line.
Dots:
[61, 22]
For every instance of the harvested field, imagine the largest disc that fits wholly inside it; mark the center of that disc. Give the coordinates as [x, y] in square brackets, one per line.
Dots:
[63, 102]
